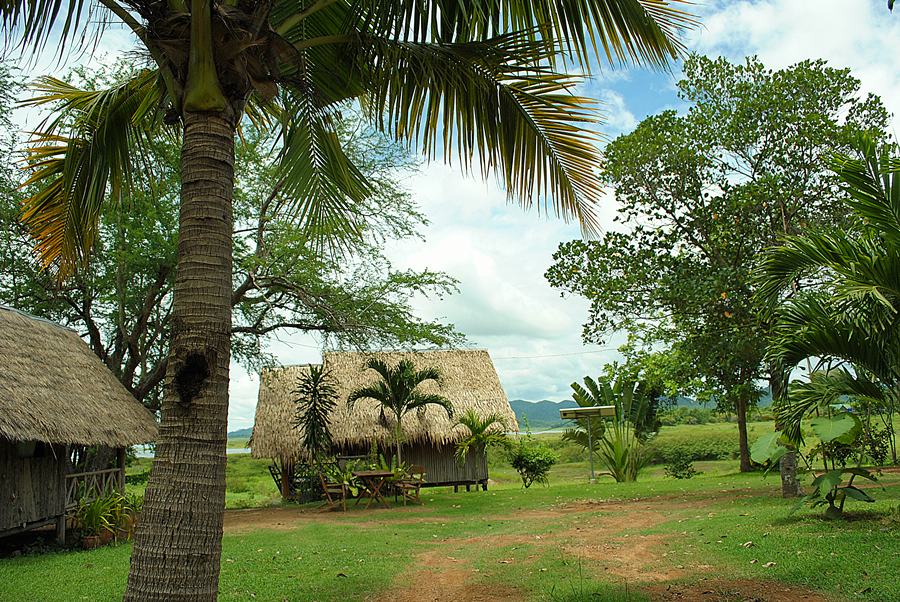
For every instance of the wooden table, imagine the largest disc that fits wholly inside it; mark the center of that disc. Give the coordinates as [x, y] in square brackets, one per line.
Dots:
[372, 481]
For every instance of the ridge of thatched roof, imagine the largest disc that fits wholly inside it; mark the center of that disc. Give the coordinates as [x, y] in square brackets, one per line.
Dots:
[53, 388]
[469, 380]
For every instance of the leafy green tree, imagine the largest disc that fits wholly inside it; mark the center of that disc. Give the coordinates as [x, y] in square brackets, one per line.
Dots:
[701, 195]
[484, 433]
[397, 392]
[845, 316]
[123, 303]
[485, 82]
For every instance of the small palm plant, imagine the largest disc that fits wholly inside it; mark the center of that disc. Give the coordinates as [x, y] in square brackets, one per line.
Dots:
[397, 391]
[483, 433]
[621, 452]
[316, 397]
[592, 394]
[616, 444]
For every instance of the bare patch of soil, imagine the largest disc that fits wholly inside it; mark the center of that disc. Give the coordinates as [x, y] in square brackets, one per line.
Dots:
[733, 591]
[634, 558]
[286, 518]
[445, 578]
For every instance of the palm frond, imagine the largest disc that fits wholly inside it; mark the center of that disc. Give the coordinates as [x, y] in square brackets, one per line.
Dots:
[619, 31]
[872, 183]
[83, 157]
[488, 104]
[31, 24]
[325, 190]
[810, 326]
[865, 265]
[420, 400]
[374, 392]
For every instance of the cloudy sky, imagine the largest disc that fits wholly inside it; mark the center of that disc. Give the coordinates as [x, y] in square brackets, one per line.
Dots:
[499, 253]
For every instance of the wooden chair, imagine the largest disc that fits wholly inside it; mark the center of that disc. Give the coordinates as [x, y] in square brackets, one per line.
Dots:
[411, 486]
[335, 493]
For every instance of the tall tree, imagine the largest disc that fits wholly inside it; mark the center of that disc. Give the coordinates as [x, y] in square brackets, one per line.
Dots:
[701, 195]
[122, 304]
[398, 391]
[484, 82]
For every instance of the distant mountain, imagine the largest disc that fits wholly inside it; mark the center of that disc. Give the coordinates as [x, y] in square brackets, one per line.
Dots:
[541, 415]
[241, 433]
[544, 415]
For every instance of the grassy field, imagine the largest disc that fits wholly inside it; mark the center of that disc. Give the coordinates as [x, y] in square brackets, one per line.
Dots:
[718, 536]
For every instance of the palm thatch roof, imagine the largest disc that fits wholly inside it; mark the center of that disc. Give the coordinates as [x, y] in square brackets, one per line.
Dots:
[469, 380]
[53, 388]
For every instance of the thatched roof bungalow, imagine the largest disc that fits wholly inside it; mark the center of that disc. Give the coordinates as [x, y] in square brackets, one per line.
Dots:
[469, 381]
[55, 392]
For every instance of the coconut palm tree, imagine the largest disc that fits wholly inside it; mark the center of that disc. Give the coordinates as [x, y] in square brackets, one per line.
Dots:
[851, 315]
[484, 432]
[397, 392]
[485, 81]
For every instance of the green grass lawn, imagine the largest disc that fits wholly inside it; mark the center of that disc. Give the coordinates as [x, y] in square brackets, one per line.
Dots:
[567, 542]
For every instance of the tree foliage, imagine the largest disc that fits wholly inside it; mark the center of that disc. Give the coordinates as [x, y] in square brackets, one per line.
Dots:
[486, 82]
[122, 305]
[701, 195]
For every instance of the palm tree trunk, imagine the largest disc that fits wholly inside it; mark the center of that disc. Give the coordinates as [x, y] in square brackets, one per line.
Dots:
[178, 541]
[398, 436]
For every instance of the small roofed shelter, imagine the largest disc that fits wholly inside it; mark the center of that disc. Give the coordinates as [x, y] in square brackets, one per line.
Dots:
[56, 393]
[469, 381]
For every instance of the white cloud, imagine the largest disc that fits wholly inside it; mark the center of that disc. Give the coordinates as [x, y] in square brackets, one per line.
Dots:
[863, 36]
[617, 119]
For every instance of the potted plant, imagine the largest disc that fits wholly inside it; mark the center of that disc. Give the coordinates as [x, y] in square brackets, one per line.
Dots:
[93, 518]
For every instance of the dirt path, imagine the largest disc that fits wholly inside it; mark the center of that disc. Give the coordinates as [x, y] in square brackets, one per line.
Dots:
[287, 518]
[438, 577]
[602, 536]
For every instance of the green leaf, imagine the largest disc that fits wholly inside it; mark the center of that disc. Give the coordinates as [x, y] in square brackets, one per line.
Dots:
[842, 428]
[858, 494]
[828, 481]
[767, 448]
[861, 472]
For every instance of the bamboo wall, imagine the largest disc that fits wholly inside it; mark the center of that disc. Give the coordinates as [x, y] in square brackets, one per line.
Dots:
[441, 467]
[30, 488]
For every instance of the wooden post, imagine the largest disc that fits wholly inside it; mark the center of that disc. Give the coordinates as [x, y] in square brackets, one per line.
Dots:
[121, 462]
[287, 471]
[62, 464]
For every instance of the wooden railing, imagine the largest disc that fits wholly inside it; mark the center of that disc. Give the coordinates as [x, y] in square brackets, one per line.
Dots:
[89, 485]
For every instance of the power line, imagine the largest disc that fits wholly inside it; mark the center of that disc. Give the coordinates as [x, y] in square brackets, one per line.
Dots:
[534, 357]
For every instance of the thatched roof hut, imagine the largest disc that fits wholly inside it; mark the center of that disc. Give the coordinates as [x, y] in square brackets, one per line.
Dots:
[469, 380]
[55, 393]
[54, 389]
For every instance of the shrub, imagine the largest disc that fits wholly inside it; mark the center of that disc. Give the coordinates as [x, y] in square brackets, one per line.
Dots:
[532, 460]
[688, 415]
[711, 446]
[566, 451]
[680, 468]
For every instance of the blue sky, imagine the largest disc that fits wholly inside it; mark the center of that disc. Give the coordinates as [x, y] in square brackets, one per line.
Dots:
[500, 253]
